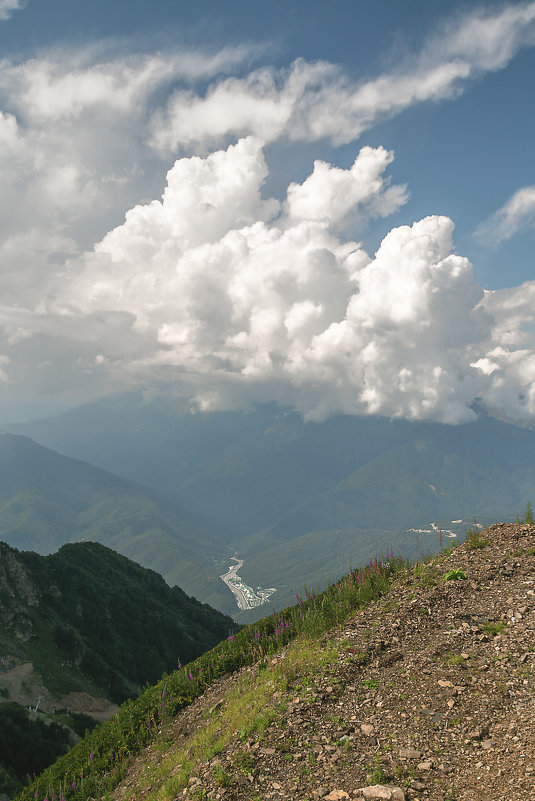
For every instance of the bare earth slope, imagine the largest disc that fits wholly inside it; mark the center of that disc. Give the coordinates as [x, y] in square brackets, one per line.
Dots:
[430, 689]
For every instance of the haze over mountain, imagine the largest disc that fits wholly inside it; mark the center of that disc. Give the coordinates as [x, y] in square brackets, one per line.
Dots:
[284, 492]
[47, 500]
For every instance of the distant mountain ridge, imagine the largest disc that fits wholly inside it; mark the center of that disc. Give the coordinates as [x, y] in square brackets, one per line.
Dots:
[47, 500]
[280, 489]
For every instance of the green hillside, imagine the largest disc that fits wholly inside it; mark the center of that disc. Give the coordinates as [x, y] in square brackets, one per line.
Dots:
[86, 622]
[96, 764]
[87, 617]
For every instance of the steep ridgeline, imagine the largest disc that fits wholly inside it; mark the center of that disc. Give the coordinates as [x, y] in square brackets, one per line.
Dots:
[401, 682]
[47, 500]
[89, 619]
[80, 631]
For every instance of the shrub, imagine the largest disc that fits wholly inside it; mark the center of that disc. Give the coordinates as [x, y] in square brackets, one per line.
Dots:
[454, 575]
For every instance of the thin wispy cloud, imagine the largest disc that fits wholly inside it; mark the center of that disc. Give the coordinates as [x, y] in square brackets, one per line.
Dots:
[311, 101]
[516, 214]
[8, 7]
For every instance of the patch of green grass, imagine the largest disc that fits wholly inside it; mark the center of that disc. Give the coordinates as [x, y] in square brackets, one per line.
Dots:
[376, 773]
[222, 778]
[493, 629]
[244, 762]
[474, 540]
[425, 575]
[454, 659]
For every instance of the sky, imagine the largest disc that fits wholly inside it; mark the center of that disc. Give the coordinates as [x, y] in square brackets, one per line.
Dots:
[326, 205]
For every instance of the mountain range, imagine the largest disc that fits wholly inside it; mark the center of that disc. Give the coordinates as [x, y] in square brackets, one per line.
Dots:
[47, 500]
[297, 501]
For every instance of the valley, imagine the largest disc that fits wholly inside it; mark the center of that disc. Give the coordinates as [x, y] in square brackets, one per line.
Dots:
[246, 597]
[183, 492]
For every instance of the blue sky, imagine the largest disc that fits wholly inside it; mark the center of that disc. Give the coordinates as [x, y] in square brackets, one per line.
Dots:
[260, 276]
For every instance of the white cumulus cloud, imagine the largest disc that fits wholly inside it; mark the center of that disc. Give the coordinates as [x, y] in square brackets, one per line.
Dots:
[247, 299]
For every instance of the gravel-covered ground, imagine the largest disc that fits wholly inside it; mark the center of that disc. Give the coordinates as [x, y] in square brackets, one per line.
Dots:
[431, 690]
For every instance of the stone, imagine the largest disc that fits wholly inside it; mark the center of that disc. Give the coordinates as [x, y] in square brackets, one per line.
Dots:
[409, 753]
[425, 765]
[474, 735]
[336, 795]
[382, 791]
[367, 729]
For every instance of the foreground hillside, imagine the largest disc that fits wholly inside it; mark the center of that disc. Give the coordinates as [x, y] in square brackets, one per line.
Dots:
[80, 631]
[428, 689]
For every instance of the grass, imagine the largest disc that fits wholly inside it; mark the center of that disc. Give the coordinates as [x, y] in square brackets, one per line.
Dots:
[474, 540]
[251, 705]
[493, 629]
[376, 773]
[97, 763]
[425, 575]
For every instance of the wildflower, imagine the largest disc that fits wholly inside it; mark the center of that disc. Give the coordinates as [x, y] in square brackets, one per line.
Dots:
[257, 635]
[91, 755]
[231, 637]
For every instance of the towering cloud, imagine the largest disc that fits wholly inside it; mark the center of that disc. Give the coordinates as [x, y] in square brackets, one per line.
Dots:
[215, 285]
[250, 300]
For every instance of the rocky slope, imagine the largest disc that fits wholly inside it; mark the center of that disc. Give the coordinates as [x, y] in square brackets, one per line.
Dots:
[428, 693]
